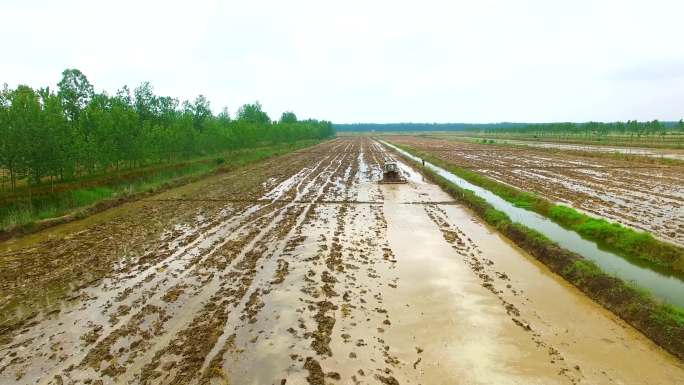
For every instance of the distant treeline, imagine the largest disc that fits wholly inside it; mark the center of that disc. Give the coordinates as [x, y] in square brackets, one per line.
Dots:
[396, 127]
[75, 131]
[631, 127]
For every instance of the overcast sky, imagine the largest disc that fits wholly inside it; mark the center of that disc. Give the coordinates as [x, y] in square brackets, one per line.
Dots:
[368, 61]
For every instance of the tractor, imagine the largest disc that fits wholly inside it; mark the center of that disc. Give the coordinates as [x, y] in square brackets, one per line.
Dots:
[391, 173]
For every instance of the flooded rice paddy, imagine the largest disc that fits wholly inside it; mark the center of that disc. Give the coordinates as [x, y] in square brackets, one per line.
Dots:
[302, 270]
[666, 153]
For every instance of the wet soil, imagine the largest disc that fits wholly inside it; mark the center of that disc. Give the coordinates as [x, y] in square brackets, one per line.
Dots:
[656, 153]
[639, 194]
[299, 270]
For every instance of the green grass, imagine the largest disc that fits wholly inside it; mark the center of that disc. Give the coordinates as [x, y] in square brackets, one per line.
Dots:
[668, 313]
[495, 217]
[608, 235]
[581, 269]
[661, 322]
[25, 211]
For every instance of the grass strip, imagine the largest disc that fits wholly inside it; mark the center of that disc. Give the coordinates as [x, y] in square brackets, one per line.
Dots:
[26, 215]
[608, 235]
[662, 323]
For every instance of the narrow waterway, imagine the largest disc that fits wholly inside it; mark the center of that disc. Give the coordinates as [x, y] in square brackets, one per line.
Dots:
[663, 286]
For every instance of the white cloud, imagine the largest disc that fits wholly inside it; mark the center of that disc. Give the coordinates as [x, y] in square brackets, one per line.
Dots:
[380, 61]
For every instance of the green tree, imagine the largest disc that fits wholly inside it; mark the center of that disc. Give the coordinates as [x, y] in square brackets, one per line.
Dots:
[75, 91]
[123, 94]
[77, 132]
[23, 133]
[200, 110]
[252, 113]
[56, 136]
[224, 117]
[288, 117]
[145, 102]
[8, 136]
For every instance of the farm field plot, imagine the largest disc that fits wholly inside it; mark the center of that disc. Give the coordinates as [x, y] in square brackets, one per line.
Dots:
[669, 153]
[642, 195]
[302, 269]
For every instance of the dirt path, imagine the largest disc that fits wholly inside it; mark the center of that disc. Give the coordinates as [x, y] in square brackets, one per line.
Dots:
[302, 270]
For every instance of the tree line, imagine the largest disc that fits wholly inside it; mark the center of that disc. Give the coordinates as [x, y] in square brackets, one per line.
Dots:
[399, 127]
[631, 127]
[588, 129]
[75, 131]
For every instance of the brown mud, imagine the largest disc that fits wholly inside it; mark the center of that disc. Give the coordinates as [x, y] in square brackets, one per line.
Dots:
[302, 269]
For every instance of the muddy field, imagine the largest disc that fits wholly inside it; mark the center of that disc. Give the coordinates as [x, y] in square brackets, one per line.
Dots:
[302, 270]
[642, 195]
[662, 153]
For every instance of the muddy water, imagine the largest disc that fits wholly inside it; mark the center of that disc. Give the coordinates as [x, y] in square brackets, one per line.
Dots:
[476, 342]
[640, 151]
[335, 280]
[666, 287]
[586, 343]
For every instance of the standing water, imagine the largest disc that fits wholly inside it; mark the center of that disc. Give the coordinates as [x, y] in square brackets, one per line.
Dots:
[662, 286]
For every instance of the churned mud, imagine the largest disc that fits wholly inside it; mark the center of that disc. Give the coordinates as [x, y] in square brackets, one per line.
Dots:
[639, 194]
[302, 270]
